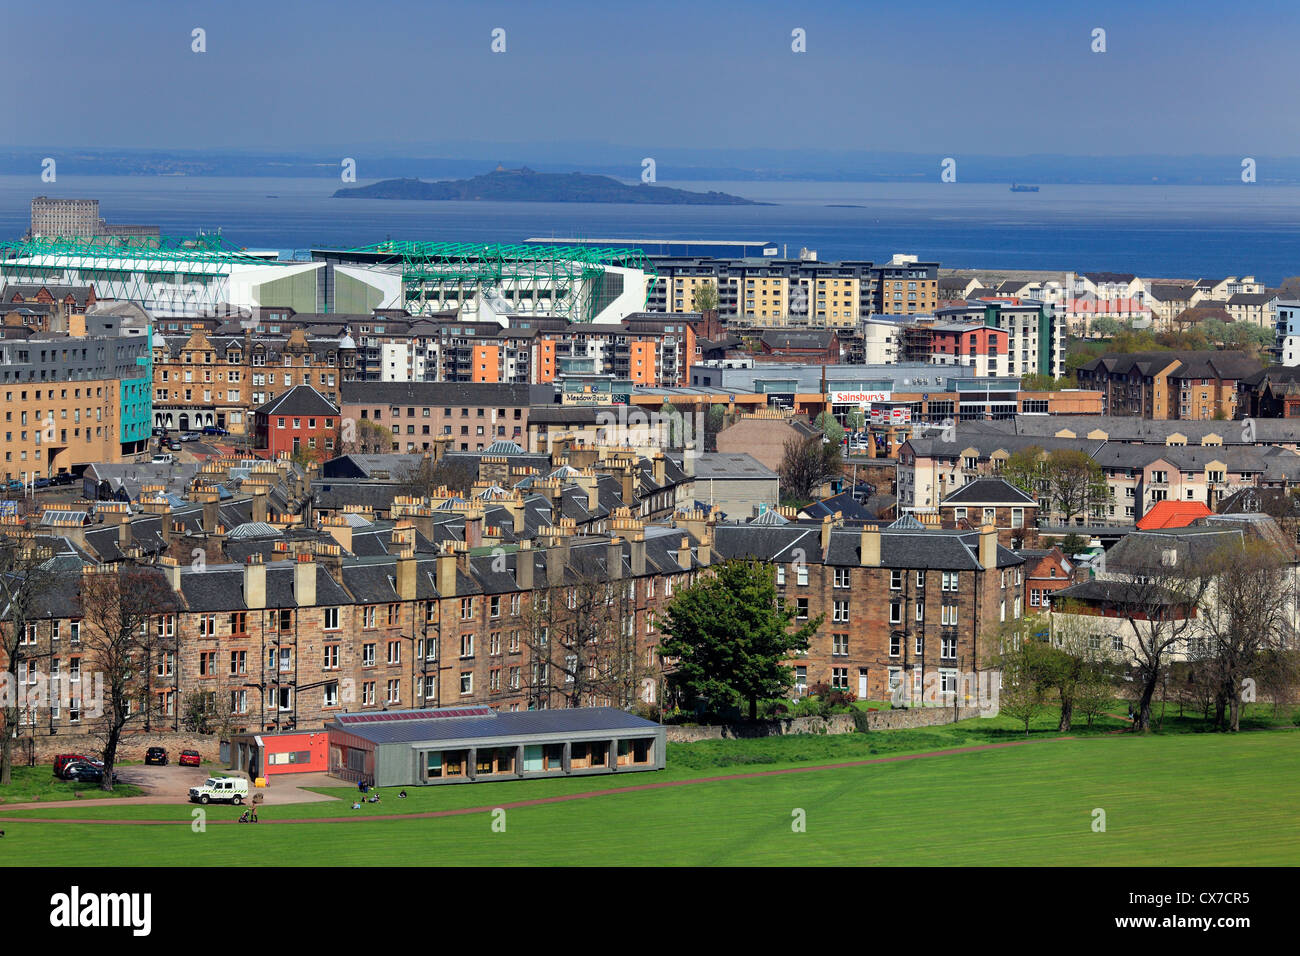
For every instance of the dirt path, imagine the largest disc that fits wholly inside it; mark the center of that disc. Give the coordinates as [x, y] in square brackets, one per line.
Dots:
[541, 801]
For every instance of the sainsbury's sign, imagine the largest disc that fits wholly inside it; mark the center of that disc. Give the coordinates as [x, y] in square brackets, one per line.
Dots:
[858, 397]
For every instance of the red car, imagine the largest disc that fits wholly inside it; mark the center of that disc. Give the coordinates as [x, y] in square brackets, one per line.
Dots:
[189, 758]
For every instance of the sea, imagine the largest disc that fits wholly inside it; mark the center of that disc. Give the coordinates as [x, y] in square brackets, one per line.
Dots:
[1155, 231]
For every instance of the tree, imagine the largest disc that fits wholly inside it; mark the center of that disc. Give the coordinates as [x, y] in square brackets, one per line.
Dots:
[1075, 665]
[1075, 483]
[730, 638]
[120, 608]
[832, 429]
[1246, 616]
[856, 419]
[1104, 326]
[1019, 657]
[26, 578]
[428, 477]
[706, 297]
[806, 463]
[1159, 603]
[581, 639]
[1025, 469]
[714, 422]
[367, 438]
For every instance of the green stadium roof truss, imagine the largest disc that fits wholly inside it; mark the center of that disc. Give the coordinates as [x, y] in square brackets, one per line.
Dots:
[482, 265]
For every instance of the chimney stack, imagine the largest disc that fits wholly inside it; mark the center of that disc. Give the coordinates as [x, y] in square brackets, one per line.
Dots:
[869, 548]
[172, 568]
[406, 571]
[254, 583]
[614, 558]
[524, 566]
[304, 580]
[684, 554]
[446, 573]
[989, 546]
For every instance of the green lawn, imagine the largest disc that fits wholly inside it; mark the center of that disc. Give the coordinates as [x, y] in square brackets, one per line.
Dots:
[39, 783]
[1169, 799]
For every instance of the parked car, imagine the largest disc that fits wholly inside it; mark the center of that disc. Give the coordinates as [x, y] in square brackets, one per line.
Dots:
[156, 755]
[41, 483]
[190, 758]
[220, 789]
[13, 484]
[189, 436]
[63, 478]
[61, 762]
[172, 443]
[163, 458]
[87, 773]
[214, 430]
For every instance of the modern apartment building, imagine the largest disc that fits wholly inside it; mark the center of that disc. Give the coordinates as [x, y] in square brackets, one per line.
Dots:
[1169, 385]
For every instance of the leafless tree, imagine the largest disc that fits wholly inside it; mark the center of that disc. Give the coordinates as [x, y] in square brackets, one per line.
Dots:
[26, 579]
[1160, 606]
[427, 477]
[1247, 614]
[582, 644]
[119, 608]
[805, 464]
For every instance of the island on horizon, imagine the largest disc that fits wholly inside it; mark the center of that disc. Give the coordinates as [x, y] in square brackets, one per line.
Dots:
[526, 185]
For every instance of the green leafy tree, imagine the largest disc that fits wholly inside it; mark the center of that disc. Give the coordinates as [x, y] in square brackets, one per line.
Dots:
[1105, 327]
[706, 297]
[1025, 469]
[730, 638]
[831, 428]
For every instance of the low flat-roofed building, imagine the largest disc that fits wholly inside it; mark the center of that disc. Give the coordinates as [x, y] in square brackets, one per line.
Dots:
[472, 743]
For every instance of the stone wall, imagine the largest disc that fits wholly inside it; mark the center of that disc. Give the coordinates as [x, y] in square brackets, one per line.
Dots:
[837, 724]
[132, 747]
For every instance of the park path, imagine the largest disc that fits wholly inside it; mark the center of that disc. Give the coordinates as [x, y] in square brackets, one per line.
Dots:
[540, 801]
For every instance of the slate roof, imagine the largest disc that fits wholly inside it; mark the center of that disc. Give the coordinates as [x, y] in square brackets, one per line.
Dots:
[923, 549]
[502, 725]
[444, 393]
[301, 400]
[989, 491]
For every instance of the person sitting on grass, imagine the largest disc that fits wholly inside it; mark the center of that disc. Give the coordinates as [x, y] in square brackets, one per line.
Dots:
[373, 798]
[402, 795]
[356, 805]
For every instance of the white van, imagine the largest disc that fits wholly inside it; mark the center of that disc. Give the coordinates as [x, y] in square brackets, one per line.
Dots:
[164, 459]
[221, 789]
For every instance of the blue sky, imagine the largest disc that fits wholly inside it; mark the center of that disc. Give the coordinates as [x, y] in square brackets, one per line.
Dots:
[1003, 78]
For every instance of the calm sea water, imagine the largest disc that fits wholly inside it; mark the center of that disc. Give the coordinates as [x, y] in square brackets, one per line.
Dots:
[1149, 230]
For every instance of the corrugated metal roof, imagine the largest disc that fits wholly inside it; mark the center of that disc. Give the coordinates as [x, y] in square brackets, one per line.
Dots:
[523, 723]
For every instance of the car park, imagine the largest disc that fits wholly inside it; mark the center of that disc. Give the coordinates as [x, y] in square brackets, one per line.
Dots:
[13, 484]
[63, 478]
[156, 755]
[189, 758]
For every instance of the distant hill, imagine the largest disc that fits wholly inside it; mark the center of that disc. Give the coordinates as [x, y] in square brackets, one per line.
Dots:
[525, 185]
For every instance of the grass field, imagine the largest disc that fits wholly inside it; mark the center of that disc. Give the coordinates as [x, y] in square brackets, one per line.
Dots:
[1170, 799]
[39, 783]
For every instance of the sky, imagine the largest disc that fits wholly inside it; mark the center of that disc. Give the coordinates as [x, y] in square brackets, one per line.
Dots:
[992, 78]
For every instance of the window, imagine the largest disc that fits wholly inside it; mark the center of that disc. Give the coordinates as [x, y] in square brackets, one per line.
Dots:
[840, 611]
[368, 693]
[331, 619]
[394, 692]
[840, 678]
[367, 655]
[841, 577]
[368, 617]
[801, 609]
[800, 679]
[920, 610]
[948, 647]
[839, 645]
[331, 661]
[948, 615]
[208, 664]
[466, 683]
[920, 580]
[949, 582]
[467, 645]
[238, 662]
[895, 580]
[896, 612]
[802, 572]
[780, 574]
[895, 645]
[394, 652]
[331, 696]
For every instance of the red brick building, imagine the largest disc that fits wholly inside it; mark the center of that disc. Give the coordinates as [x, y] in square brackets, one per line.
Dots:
[300, 419]
[1046, 572]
